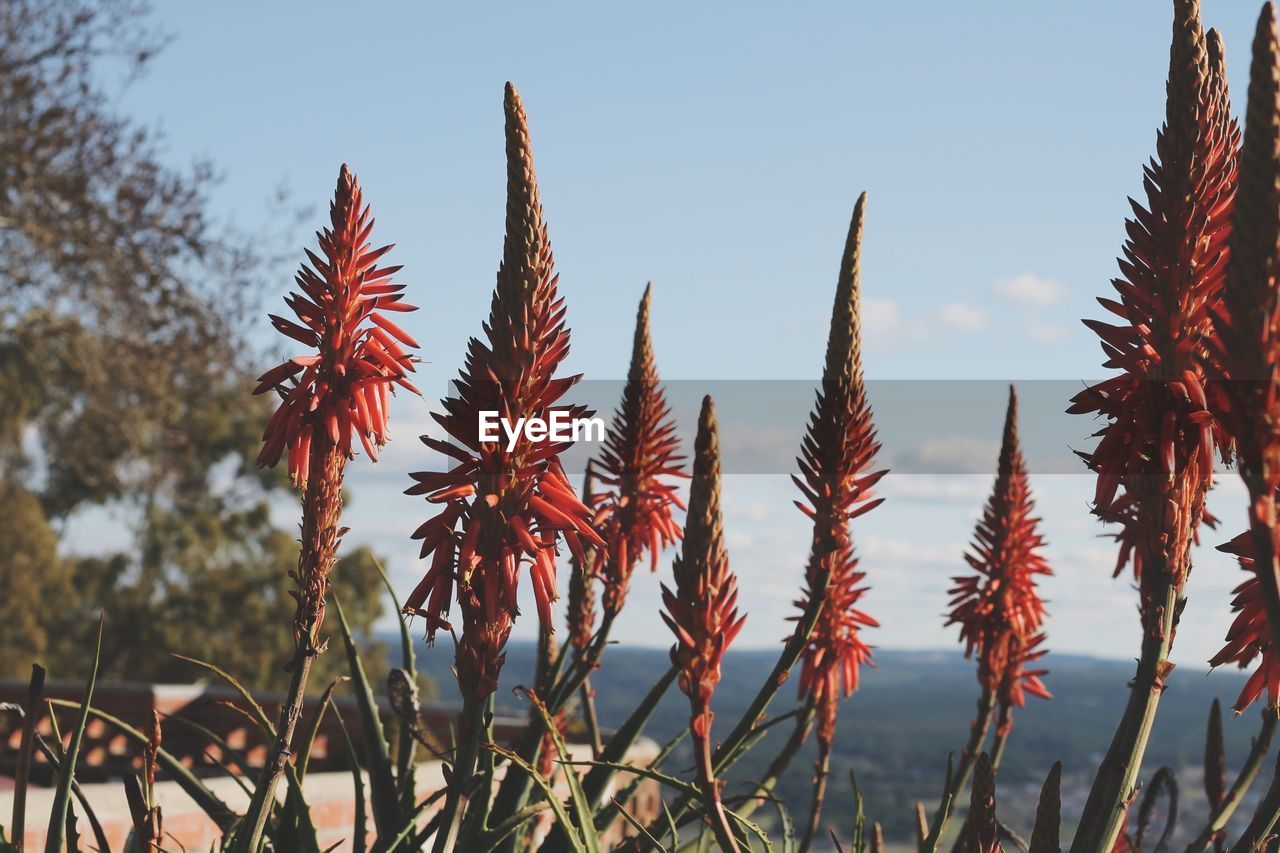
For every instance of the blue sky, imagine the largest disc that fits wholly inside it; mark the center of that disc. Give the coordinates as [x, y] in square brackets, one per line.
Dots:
[716, 149]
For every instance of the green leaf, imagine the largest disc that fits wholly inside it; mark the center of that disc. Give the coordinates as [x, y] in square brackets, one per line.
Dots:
[647, 772]
[61, 812]
[313, 727]
[209, 802]
[409, 823]
[226, 749]
[553, 800]
[940, 816]
[497, 834]
[639, 827]
[256, 713]
[360, 831]
[609, 813]
[581, 806]
[385, 801]
[597, 780]
[407, 661]
[405, 746]
[298, 815]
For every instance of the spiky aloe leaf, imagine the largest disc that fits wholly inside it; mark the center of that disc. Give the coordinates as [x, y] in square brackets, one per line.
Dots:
[639, 827]
[225, 748]
[1215, 758]
[859, 816]
[1163, 783]
[209, 802]
[360, 830]
[984, 829]
[303, 757]
[256, 712]
[553, 800]
[405, 743]
[58, 816]
[577, 796]
[1045, 836]
[382, 784]
[609, 813]
[616, 748]
[301, 832]
[99, 835]
[930, 843]
[35, 691]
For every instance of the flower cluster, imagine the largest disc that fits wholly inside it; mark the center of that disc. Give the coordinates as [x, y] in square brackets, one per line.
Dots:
[1247, 354]
[839, 450]
[634, 513]
[702, 607]
[343, 389]
[1249, 637]
[503, 507]
[1154, 458]
[998, 608]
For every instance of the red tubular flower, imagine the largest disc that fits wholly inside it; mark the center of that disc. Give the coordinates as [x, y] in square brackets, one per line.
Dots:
[1249, 637]
[640, 451]
[1154, 458]
[1248, 356]
[702, 610]
[838, 453]
[1019, 680]
[510, 507]
[343, 389]
[999, 609]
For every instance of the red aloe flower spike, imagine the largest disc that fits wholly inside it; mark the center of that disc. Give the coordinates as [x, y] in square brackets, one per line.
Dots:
[702, 610]
[836, 458]
[503, 510]
[1248, 354]
[837, 455]
[342, 390]
[1249, 637]
[1156, 451]
[999, 608]
[1154, 457]
[639, 456]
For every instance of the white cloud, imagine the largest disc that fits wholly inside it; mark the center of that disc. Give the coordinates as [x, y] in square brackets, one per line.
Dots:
[962, 317]
[884, 325]
[1046, 333]
[950, 454]
[1028, 289]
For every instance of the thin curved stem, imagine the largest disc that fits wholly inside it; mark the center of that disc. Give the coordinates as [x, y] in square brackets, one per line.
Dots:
[1106, 808]
[470, 726]
[1264, 818]
[1244, 779]
[960, 777]
[821, 772]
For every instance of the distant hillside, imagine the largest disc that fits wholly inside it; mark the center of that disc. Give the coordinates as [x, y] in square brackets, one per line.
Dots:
[912, 710]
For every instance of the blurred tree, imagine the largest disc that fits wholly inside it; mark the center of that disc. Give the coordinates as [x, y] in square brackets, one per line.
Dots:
[30, 573]
[125, 377]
